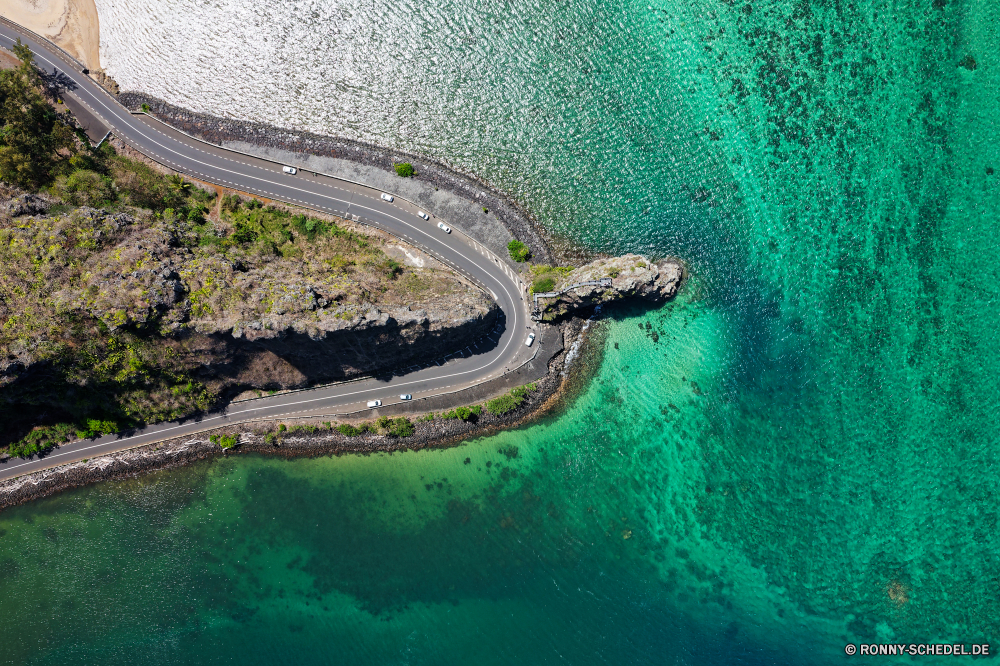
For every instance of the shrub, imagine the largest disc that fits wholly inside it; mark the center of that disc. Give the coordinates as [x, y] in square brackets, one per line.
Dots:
[404, 170]
[177, 183]
[518, 250]
[282, 427]
[402, 427]
[510, 401]
[84, 188]
[543, 285]
[504, 404]
[145, 107]
[225, 441]
[348, 430]
[464, 413]
[96, 428]
[244, 233]
[231, 203]
[139, 185]
[40, 440]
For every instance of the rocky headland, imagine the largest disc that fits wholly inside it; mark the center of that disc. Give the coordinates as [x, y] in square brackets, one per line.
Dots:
[129, 295]
[630, 276]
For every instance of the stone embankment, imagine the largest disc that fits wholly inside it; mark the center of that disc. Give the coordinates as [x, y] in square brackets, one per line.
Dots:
[279, 143]
[631, 276]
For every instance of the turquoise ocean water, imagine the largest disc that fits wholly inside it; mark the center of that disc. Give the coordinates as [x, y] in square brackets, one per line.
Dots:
[800, 452]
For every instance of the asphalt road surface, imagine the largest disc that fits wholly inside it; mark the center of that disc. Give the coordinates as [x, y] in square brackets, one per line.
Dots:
[492, 357]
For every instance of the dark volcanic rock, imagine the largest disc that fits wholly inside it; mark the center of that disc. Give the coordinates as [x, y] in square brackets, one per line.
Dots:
[26, 204]
[632, 276]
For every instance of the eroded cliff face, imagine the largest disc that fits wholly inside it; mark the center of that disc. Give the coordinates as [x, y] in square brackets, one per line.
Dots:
[263, 355]
[153, 316]
[630, 275]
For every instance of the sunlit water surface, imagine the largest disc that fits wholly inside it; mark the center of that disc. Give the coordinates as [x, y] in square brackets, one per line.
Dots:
[800, 452]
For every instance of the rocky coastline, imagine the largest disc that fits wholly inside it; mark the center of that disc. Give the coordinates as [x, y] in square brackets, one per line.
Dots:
[219, 131]
[633, 276]
[630, 276]
[262, 437]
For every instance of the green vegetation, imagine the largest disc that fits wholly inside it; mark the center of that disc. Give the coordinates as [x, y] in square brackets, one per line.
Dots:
[510, 401]
[545, 278]
[95, 428]
[518, 251]
[145, 107]
[405, 169]
[348, 430]
[397, 427]
[113, 312]
[400, 427]
[543, 285]
[41, 439]
[36, 143]
[464, 413]
[225, 441]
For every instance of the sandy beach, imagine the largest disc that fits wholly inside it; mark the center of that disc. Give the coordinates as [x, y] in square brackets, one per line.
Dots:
[72, 24]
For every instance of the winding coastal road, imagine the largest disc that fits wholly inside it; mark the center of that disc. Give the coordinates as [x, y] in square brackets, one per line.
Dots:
[504, 351]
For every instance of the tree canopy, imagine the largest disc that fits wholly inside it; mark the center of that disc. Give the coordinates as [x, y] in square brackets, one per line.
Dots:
[34, 141]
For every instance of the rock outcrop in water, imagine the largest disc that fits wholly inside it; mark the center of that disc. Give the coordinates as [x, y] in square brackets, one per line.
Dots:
[630, 276]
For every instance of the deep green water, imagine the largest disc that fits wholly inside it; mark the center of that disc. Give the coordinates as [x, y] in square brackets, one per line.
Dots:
[805, 453]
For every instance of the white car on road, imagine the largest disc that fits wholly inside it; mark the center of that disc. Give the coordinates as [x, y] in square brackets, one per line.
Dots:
[531, 339]
[291, 170]
[386, 197]
[405, 396]
[444, 227]
[423, 215]
[374, 403]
